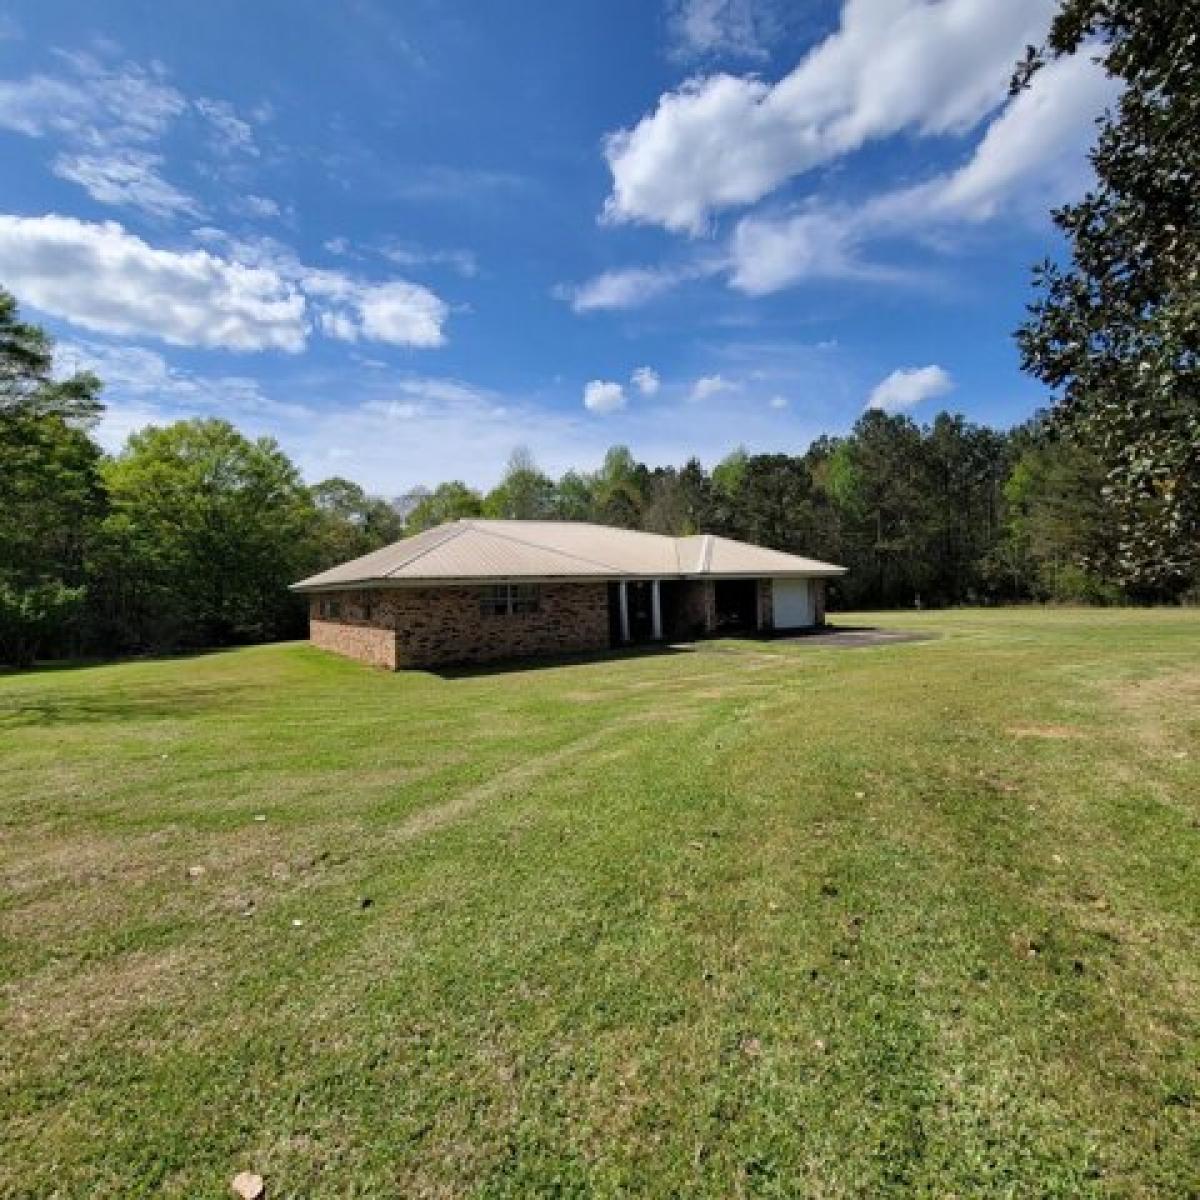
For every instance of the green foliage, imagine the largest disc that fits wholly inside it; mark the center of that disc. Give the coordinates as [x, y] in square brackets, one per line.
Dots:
[452, 501]
[50, 491]
[524, 494]
[620, 489]
[349, 522]
[33, 615]
[1116, 333]
[208, 529]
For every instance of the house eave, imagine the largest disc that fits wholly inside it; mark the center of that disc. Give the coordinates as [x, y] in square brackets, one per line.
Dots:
[486, 580]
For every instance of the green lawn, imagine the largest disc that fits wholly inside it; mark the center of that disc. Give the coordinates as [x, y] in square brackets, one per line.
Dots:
[756, 920]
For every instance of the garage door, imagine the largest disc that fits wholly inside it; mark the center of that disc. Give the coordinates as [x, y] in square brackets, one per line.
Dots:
[793, 603]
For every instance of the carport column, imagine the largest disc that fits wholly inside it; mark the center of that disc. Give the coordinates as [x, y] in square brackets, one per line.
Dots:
[624, 585]
[656, 610]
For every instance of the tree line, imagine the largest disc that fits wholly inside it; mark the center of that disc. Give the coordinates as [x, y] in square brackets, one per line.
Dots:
[190, 535]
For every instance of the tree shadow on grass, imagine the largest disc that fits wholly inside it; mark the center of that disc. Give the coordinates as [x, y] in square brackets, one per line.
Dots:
[508, 666]
[152, 703]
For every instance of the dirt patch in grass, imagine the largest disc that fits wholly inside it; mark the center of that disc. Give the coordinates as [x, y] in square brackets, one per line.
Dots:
[1155, 708]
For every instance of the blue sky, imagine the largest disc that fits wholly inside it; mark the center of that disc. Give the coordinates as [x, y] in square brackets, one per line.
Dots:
[404, 239]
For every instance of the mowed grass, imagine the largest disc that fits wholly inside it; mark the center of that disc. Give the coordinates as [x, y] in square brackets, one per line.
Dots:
[760, 919]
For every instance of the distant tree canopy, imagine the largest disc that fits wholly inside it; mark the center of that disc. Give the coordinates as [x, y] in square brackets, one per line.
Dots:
[1116, 333]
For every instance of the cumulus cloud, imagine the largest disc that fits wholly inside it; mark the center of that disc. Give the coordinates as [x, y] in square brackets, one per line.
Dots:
[603, 396]
[708, 386]
[404, 314]
[1032, 156]
[722, 140]
[126, 177]
[906, 388]
[646, 380]
[103, 278]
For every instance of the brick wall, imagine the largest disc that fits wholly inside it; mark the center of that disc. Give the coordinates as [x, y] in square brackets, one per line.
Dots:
[423, 627]
[368, 644]
[818, 601]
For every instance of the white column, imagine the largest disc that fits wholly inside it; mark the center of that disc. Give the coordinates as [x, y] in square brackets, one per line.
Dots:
[624, 611]
[656, 611]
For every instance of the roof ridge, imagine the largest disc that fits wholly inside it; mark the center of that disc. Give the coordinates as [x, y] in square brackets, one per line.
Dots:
[452, 531]
[595, 562]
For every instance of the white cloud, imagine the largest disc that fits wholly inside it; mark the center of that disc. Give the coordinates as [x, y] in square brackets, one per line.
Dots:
[646, 380]
[1032, 156]
[621, 289]
[231, 134]
[106, 115]
[601, 396]
[407, 255]
[102, 278]
[257, 206]
[256, 297]
[96, 105]
[892, 65]
[145, 375]
[708, 386]
[732, 28]
[778, 402]
[905, 388]
[768, 253]
[126, 177]
[404, 314]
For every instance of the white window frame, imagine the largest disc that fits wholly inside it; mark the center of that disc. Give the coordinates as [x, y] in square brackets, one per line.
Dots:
[510, 600]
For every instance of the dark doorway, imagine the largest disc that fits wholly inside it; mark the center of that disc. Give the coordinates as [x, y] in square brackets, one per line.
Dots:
[640, 599]
[737, 605]
[641, 610]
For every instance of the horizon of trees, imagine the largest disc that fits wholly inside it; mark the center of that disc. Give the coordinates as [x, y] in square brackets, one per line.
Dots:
[190, 535]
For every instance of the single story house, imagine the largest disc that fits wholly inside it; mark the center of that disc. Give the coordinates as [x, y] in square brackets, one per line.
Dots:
[477, 591]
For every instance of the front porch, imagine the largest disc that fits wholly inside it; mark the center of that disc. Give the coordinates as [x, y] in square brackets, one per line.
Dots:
[656, 610]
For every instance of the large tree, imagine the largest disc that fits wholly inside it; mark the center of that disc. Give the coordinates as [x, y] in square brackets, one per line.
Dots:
[447, 502]
[1116, 332]
[206, 530]
[350, 522]
[50, 493]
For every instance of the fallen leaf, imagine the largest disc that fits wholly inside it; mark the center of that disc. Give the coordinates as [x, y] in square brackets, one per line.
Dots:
[248, 1186]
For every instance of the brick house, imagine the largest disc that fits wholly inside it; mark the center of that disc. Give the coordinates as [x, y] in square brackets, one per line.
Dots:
[477, 591]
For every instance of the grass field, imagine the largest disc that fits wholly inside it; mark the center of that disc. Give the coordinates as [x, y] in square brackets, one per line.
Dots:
[756, 920]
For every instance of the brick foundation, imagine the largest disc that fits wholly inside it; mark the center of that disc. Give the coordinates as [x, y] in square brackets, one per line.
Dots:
[440, 626]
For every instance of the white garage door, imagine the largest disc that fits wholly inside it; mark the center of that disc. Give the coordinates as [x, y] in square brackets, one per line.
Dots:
[793, 603]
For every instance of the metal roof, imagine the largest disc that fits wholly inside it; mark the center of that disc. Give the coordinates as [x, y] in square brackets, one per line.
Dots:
[473, 551]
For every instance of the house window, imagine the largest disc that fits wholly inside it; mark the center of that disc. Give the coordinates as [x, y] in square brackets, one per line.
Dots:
[331, 609]
[368, 609]
[509, 599]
